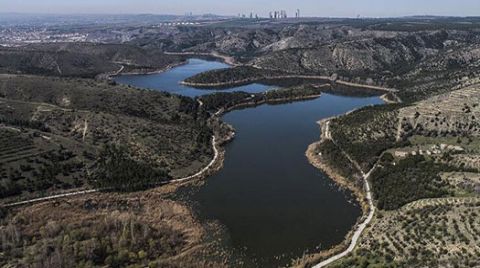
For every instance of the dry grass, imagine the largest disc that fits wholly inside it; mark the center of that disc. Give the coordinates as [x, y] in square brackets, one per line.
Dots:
[137, 229]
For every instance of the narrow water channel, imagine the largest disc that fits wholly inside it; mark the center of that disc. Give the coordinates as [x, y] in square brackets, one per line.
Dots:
[274, 205]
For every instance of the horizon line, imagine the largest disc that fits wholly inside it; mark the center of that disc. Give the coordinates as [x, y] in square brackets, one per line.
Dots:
[229, 16]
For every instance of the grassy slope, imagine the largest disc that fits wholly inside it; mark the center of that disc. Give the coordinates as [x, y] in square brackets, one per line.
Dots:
[160, 129]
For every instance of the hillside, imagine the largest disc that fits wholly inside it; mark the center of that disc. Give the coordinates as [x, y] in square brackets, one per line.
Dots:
[420, 57]
[425, 179]
[85, 60]
[54, 128]
[64, 126]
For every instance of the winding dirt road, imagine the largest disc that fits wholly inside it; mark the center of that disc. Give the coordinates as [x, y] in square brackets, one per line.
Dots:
[83, 192]
[326, 134]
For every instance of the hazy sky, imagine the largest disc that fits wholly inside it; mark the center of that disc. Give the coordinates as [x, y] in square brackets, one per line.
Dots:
[324, 8]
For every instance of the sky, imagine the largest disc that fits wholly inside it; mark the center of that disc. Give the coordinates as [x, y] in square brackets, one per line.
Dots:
[320, 8]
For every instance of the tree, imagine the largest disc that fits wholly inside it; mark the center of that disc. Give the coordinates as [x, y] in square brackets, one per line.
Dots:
[117, 170]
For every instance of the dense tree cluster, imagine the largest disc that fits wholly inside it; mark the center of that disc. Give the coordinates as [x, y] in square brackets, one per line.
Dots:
[168, 131]
[233, 75]
[81, 59]
[292, 92]
[117, 170]
[334, 157]
[213, 102]
[415, 177]
[367, 133]
[366, 259]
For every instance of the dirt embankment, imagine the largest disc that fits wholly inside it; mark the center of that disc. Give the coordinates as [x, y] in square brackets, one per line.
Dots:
[332, 173]
[316, 160]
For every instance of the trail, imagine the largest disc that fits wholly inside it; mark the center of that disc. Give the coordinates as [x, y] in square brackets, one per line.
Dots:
[119, 70]
[48, 198]
[85, 129]
[83, 192]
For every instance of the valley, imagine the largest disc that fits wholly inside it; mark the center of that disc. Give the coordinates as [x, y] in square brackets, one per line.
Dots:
[242, 143]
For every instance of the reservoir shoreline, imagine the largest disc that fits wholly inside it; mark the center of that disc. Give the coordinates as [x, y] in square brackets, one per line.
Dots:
[325, 79]
[216, 170]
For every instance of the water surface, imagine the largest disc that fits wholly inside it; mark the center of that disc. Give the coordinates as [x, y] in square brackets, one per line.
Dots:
[274, 205]
[170, 81]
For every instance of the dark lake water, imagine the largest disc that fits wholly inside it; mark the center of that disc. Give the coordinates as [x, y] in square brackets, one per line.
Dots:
[274, 204]
[169, 81]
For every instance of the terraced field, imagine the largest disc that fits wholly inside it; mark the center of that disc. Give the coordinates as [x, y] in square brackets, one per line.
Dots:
[426, 185]
[32, 162]
[455, 113]
[53, 130]
[467, 160]
[427, 233]
[15, 147]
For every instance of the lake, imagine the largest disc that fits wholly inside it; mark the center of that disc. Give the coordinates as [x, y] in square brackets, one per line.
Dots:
[169, 80]
[274, 205]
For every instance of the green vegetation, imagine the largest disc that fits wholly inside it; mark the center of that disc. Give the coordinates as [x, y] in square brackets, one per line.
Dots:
[24, 123]
[365, 134]
[62, 123]
[424, 182]
[436, 234]
[226, 100]
[365, 259]
[29, 163]
[334, 157]
[296, 92]
[81, 59]
[140, 229]
[395, 184]
[235, 75]
[54, 132]
[118, 171]
[213, 102]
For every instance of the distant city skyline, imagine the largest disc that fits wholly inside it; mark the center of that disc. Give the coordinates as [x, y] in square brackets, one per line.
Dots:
[320, 8]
